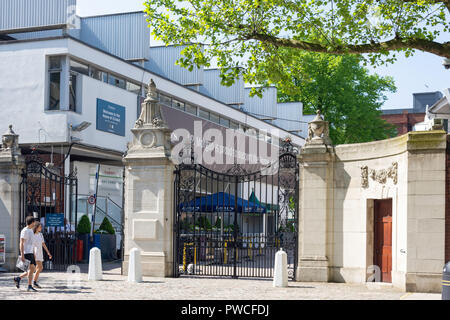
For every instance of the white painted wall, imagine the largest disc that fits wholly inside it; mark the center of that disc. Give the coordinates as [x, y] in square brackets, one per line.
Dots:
[23, 94]
[86, 176]
[91, 90]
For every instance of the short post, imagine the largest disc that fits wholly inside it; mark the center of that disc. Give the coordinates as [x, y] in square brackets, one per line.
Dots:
[280, 278]
[446, 282]
[95, 265]
[134, 266]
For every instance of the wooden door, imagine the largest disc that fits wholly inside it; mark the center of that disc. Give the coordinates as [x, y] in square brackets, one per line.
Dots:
[383, 238]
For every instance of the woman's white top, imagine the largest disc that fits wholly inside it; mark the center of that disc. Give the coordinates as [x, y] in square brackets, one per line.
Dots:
[38, 239]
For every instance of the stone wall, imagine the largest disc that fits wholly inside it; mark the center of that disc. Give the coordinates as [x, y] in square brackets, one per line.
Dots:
[344, 181]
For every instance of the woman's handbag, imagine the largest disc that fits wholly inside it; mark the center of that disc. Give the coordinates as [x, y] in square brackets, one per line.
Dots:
[23, 265]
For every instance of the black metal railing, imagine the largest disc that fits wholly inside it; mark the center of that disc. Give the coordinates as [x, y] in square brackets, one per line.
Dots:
[45, 190]
[233, 223]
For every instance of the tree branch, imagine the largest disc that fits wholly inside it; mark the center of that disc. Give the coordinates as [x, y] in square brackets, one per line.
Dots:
[440, 49]
[445, 2]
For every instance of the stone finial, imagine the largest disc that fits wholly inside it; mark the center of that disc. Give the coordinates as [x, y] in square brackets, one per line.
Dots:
[318, 131]
[151, 110]
[10, 140]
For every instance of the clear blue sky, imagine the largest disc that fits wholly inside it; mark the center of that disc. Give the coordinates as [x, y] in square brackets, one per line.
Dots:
[421, 73]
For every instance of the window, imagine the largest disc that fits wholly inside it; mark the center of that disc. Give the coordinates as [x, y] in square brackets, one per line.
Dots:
[214, 118]
[54, 69]
[55, 63]
[105, 77]
[177, 104]
[133, 87]
[203, 114]
[73, 92]
[55, 85]
[225, 122]
[165, 100]
[116, 81]
[234, 125]
[191, 109]
[79, 67]
[96, 73]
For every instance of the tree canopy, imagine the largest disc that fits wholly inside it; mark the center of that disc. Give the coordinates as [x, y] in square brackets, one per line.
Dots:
[343, 90]
[241, 35]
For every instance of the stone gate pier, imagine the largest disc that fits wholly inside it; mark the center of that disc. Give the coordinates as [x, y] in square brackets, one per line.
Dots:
[373, 211]
[149, 192]
[11, 165]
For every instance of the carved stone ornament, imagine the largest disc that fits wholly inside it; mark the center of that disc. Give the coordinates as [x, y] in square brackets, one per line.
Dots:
[10, 139]
[147, 139]
[151, 135]
[318, 131]
[151, 115]
[380, 176]
[365, 177]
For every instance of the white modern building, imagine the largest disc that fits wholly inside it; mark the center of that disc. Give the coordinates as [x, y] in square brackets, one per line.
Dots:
[72, 89]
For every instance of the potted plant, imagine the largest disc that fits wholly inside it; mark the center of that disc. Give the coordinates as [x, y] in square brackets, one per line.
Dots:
[107, 240]
[83, 230]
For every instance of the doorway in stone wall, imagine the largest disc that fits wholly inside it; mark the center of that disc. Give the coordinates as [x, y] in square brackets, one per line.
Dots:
[383, 238]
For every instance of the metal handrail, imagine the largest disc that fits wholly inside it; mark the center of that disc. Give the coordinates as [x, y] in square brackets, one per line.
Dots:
[103, 211]
[108, 216]
[111, 200]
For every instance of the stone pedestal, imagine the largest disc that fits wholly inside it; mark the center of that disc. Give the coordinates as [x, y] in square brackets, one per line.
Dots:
[316, 178]
[11, 166]
[149, 180]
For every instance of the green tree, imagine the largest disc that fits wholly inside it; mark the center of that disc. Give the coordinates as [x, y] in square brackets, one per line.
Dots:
[343, 90]
[243, 34]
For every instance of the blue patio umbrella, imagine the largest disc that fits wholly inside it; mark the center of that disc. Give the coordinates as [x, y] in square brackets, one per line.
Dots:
[221, 202]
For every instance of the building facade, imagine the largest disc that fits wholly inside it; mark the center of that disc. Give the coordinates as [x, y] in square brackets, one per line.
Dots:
[405, 119]
[74, 86]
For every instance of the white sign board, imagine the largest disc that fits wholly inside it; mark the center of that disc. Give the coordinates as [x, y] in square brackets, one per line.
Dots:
[2, 249]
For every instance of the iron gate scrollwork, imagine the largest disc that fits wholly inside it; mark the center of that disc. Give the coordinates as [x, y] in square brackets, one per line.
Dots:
[45, 191]
[232, 223]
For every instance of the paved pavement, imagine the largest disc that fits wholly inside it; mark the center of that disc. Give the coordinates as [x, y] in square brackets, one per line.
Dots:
[115, 287]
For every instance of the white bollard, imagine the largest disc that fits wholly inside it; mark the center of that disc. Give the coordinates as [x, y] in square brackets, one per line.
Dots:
[95, 265]
[134, 266]
[280, 278]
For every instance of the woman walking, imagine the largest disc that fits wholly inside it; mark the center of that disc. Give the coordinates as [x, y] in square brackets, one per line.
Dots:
[39, 243]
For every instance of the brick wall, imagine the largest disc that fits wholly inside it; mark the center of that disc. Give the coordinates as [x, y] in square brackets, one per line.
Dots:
[404, 121]
[447, 203]
[52, 189]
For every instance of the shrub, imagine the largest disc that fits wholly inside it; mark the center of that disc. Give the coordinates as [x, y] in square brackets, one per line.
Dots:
[84, 226]
[218, 223]
[106, 227]
[204, 223]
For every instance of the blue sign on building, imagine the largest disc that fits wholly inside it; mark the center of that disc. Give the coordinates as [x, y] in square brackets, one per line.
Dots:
[110, 117]
[54, 220]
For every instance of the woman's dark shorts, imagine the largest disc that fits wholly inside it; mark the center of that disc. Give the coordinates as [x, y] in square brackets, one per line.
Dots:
[30, 257]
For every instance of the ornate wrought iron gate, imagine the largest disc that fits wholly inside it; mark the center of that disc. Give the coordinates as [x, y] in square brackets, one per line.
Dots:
[233, 223]
[44, 191]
